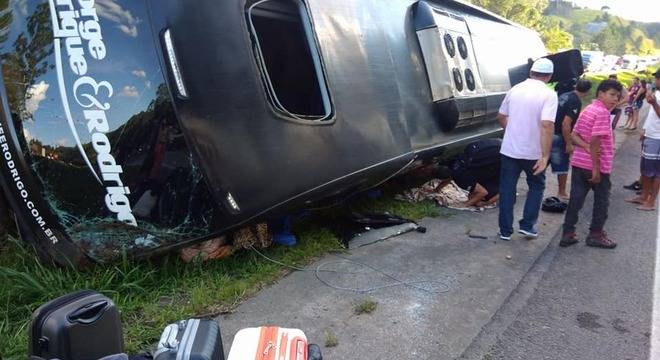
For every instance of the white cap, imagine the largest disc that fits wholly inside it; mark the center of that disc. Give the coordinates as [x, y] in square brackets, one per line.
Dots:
[543, 66]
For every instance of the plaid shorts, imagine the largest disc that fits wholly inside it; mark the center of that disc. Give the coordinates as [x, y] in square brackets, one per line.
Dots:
[650, 164]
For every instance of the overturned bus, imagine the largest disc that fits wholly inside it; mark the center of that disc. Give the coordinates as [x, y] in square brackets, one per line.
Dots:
[140, 126]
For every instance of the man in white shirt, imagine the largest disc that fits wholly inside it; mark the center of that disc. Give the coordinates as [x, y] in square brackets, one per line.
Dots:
[527, 115]
[650, 164]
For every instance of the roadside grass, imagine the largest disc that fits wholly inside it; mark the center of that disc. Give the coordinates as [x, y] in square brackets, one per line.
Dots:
[626, 77]
[404, 209]
[151, 295]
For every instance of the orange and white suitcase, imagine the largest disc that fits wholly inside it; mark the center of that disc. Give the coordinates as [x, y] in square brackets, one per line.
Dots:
[269, 343]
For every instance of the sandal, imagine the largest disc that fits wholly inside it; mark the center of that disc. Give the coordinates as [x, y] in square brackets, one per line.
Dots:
[646, 208]
[600, 240]
[636, 201]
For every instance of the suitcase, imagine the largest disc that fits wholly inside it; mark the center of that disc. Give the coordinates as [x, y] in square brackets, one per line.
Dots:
[272, 343]
[192, 339]
[481, 153]
[84, 325]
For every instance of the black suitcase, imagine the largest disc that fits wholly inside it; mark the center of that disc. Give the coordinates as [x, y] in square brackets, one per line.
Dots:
[193, 339]
[482, 153]
[84, 325]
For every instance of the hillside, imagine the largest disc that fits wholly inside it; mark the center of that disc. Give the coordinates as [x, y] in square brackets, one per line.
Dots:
[598, 30]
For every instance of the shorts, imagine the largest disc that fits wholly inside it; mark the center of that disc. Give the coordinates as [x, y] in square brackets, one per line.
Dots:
[638, 104]
[559, 159]
[650, 164]
[629, 110]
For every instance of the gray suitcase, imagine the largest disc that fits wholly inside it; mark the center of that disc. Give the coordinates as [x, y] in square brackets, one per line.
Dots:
[193, 339]
[83, 325]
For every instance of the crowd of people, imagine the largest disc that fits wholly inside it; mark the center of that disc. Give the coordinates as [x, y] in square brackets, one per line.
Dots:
[543, 128]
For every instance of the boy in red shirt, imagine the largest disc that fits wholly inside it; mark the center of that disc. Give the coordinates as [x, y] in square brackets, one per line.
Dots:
[591, 166]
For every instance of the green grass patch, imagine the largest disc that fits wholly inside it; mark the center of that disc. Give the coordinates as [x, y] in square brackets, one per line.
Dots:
[151, 295]
[412, 211]
[330, 339]
[366, 306]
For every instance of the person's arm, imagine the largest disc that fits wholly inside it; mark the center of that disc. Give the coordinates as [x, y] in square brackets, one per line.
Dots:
[503, 112]
[594, 149]
[641, 95]
[502, 119]
[578, 141]
[547, 130]
[548, 114]
[600, 129]
[566, 133]
[650, 98]
[624, 98]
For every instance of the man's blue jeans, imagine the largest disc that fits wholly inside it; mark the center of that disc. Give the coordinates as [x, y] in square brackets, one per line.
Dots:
[509, 175]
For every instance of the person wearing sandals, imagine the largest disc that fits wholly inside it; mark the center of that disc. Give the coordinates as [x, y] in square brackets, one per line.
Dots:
[650, 163]
[592, 162]
[630, 109]
[527, 115]
[637, 105]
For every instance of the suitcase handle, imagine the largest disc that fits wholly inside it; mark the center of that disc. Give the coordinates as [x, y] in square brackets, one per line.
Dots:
[314, 352]
[88, 313]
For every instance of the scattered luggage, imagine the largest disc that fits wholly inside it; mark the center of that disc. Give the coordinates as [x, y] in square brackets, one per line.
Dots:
[83, 325]
[193, 339]
[86, 325]
[272, 342]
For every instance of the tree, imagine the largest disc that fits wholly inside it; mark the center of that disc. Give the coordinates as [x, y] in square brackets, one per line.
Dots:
[525, 12]
[647, 47]
[6, 18]
[529, 14]
[605, 17]
[556, 39]
[588, 46]
[610, 41]
[28, 59]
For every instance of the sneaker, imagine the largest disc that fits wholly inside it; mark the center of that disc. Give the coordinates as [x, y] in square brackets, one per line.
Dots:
[505, 237]
[634, 186]
[568, 239]
[599, 239]
[530, 234]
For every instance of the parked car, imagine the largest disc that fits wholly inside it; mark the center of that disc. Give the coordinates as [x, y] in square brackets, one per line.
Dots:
[630, 62]
[592, 60]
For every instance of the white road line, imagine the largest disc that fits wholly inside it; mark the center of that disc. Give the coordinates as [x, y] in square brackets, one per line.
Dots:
[655, 326]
